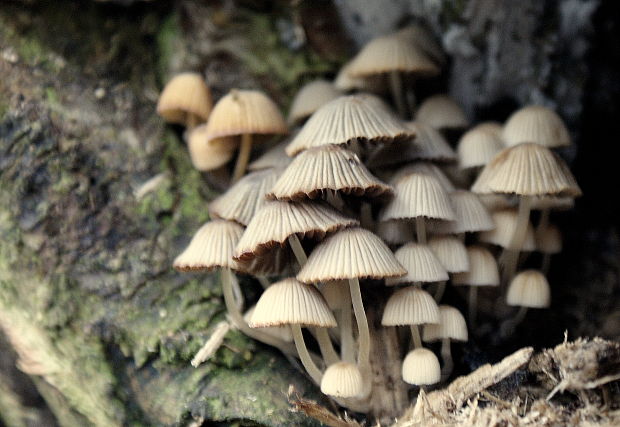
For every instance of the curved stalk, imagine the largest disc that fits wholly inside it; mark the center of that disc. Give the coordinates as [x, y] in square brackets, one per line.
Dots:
[415, 334]
[518, 238]
[313, 370]
[327, 348]
[363, 355]
[396, 86]
[298, 250]
[441, 289]
[473, 303]
[243, 157]
[347, 344]
[420, 229]
[446, 356]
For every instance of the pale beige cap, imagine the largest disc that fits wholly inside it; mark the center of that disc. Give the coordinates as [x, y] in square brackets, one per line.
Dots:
[290, 302]
[329, 167]
[395, 232]
[211, 247]
[478, 146]
[275, 157]
[536, 124]
[360, 117]
[342, 379]
[424, 40]
[482, 271]
[283, 332]
[470, 215]
[410, 306]
[185, 94]
[208, 155]
[425, 168]
[421, 264]
[505, 224]
[451, 325]
[430, 144]
[421, 367]
[451, 252]
[441, 112]
[529, 289]
[350, 253]
[311, 97]
[549, 240]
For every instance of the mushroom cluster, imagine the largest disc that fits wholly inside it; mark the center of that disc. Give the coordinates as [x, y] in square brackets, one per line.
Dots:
[362, 221]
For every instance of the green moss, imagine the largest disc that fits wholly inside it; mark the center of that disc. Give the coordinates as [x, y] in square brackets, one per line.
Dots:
[168, 39]
[52, 96]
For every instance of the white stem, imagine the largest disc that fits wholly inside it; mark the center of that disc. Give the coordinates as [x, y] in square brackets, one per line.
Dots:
[313, 370]
[363, 355]
[325, 344]
[441, 289]
[420, 229]
[298, 250]
[243, 157]
[518, 238]
[265, 283]
[415, 334]
[347, 344]
[446, 356]
[396, 86]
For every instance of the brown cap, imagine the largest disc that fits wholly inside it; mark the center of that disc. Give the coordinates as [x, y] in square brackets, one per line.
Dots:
[441, 112]
[505, 223]
[208, 155]
[342, 379]
[185, 94]
[529, 289]
[482, 269]
[310, 98]
[421, 367]
[478, 146]
[451, 253]
[451, 325]
[421, 264]
[536, 124]
[410, 306]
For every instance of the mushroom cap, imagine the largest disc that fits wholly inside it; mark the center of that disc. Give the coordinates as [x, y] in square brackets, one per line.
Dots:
[549, 240]
[347, 83]
[482, 271]
[478, 146]
[451, 252]
[212, 246]
[527, 169]
[530, 289]
[185, 94]
[537, 124]
[495, 128]
[310, 98]
[505, 223]
[395, 232]
[243, 112]
[335, 293]
[276, 221]
[421, 264]
[392, 53]
[451, 325]
[363, 117]
[328, 167]
[470, 215]
[342, 379]
[243, 199]
[410, 306]
[418, 195]
[424, 40]
[208, 155]
[290, 302]
[425, 168]
[275, 157]
[441, 112]
[350, 253]
[421, 367]
[283, 332]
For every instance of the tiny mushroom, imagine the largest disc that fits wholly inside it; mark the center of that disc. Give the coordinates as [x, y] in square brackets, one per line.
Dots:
[452, 326]
[185, 100]
[208, 155]
[528, 289]
[342, 379]
[421, 367]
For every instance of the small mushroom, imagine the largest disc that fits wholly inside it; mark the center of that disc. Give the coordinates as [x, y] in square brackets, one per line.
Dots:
[452, 326]
[453, 256]
[441, 113]
[478, 146]
[342, 379]
[310, 98]
[185, 100]
[537, 124]
[421, 367]
[208, 155]
[471, 215]
[548, 242]
[528, 289]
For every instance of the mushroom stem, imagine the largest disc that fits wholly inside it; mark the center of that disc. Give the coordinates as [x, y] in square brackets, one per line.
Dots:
[441, 289]
[327, 348]
[473, 306]
[518, 238]
[238, 295]
[446, 356]
[420, 229]
[363, 355]
[263, 281]
[298, 250]
[243, 157]
[304, 356]
[415, 334]
[347, 344]
[396, 86]
[546, 262]
[543, 223]
[508, 327]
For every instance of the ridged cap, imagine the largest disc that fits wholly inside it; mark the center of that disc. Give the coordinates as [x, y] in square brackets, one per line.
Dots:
[421, 367]
[470, 215]
[342, 379]
[310, 98]
[419, 195]
[245, 112]
[283, 332]
[425, 168]
[482, 271]
[361, 117]
[350, 253]
[451, 325]
[184, 94]
[451, 253]
[208, 155]
[549, 240]
[536, 124]
[212, 246]
[421, 264]
[430, 144]
[289, 302]
[528, 170]
[329, 167]
[410, 306]
[241, 201]
[505, 224]
[529, 289]
[441, 112]
[395, 232]
[275, 157]
[276, 221]
[478, 146]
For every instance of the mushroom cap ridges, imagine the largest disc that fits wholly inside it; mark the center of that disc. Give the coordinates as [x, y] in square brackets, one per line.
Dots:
[530, 289]
[185, 94]
[421, 367]
[343, 380]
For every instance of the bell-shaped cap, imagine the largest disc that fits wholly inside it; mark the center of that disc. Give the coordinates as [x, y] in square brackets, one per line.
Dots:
[421, 367]
[470, 215]
[530, 289]
[478, 146]
[311, 97]
[350, 253]
[211, 247]
[276, 221]
[207, 154]
[441, 112]
[451, 252]
[425, 168]
[356, 117]
[342, 379]
[505, 226]
[482, 271]
[283, 332]
[421, 264]
[395, 232]
[275, 157]
[536, 124]
[184, 95]
[290, 302]
[410, 306]
[418, 195]
[243, 112]
[549, 240]
[329, 167]
[347, 83]
[424, 40]
[451, 325]
[527, 169]
[243, 199]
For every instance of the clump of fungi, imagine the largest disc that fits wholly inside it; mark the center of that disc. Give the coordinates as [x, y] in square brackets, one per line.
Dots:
[360, 223]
